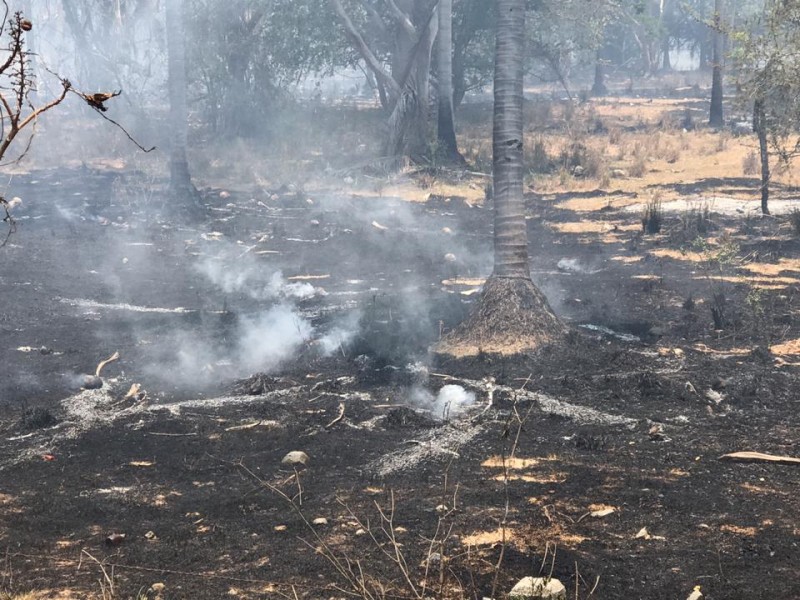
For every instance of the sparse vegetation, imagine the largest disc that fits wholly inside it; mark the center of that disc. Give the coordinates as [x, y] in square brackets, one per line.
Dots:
[653, 216]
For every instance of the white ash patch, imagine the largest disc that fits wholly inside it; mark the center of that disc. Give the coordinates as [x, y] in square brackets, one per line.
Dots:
[435, 445]
[93, 305]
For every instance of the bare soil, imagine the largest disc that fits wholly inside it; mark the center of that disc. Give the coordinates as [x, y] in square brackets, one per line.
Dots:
[631, 412]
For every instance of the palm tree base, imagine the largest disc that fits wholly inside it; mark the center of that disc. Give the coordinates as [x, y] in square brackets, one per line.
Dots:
[512, 317]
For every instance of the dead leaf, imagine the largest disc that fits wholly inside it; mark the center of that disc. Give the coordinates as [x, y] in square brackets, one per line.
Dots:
[603, 513]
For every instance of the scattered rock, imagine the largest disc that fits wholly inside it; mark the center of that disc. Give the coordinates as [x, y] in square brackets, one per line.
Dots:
[538, 588]
[115, 539]
[91, 382]
[295, 458]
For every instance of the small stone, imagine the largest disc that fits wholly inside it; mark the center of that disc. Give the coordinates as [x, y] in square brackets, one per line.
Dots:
[223, 194]
[296, 458]
[314, 222]
[157, 587]
[450, 257]
[618, 173]
[320, 521]
[447, 230]
[538, 588]
[150, 535]
[91, 382]
[441, 509]
[361, 531]
[578, 171]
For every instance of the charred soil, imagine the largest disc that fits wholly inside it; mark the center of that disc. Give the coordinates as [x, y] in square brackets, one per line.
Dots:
[631, 412]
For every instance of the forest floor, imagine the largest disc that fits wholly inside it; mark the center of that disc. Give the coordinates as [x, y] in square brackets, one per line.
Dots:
[598, 461]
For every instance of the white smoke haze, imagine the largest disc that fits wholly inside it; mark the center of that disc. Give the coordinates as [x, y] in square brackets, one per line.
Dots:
[450, 402]
[235, 273]
[341, 334]
[273, 337]
[262, 343]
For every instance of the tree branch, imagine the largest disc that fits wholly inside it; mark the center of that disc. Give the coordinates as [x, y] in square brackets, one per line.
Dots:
[402, 18]
[370, 58]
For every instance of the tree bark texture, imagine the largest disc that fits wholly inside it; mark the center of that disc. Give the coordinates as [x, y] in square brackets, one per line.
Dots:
[510, 229]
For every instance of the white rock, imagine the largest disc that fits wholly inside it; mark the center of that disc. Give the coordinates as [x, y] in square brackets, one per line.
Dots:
[296, 458]
[320, 521]
[538, 588]
[450, 257]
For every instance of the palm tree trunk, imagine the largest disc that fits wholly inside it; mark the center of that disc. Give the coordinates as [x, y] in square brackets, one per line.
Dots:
[446, 130]
[181, 186]
[510, 229]
[512, 316]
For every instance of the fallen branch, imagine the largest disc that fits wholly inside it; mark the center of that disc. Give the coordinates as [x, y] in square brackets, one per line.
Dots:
[102, 364]
[760, 457]
[338, 418]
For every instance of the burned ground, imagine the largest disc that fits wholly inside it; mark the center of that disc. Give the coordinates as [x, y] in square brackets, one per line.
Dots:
[630, 412]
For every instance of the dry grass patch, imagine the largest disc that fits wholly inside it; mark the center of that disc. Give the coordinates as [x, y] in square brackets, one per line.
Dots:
[593, 226]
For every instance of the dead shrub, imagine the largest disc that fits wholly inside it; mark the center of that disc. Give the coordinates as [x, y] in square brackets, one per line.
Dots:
[638, 167]
[653, 216]
[671, 153]
[751, 164]
[794, 219]
[538, 158]
[697, 220]
[614, 135]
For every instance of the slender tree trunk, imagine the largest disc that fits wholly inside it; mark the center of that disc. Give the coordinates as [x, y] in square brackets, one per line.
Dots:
[446, 131]
[760, 127]
[408, 122]
[666, 60]
[181, 187]
[599, 87]
[716, 118]
[510, 228]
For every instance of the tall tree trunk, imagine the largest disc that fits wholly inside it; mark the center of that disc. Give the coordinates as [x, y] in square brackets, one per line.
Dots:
[510, 228]
[181, 187]
[760, 127]
[666, 60]
[446, 131]
[512, 316]
[716, 118]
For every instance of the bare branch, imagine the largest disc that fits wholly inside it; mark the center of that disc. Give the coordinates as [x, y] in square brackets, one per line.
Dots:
[402, 18]
[370, 58]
